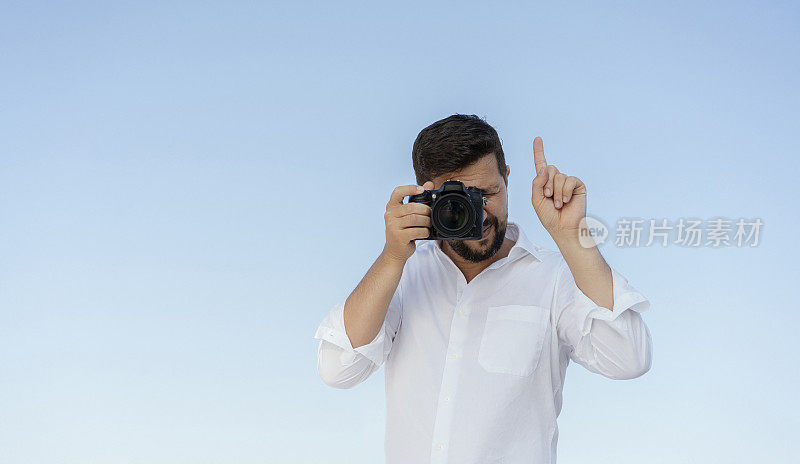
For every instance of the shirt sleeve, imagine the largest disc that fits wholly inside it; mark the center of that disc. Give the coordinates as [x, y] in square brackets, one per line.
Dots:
[342, 366]
[615, 344]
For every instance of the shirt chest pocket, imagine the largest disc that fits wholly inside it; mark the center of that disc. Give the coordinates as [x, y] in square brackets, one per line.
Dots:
[513, 338]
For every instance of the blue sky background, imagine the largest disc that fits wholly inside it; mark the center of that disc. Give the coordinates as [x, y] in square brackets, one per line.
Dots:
[187, 188]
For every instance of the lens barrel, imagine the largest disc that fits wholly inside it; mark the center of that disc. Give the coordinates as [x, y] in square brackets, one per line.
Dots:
[453, 214]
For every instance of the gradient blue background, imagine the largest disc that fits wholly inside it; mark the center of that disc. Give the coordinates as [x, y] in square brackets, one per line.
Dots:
[186, 189]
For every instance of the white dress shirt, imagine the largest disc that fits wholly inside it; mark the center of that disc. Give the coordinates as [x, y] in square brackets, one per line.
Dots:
[474, 371]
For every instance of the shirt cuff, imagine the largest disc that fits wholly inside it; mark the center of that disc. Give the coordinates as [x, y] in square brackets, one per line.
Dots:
[625, 297]
[332, 330]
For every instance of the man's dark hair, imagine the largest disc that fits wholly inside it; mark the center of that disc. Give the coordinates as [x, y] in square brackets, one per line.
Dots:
[454, 143]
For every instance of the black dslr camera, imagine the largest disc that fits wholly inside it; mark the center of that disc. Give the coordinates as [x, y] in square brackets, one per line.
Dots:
[456, 211]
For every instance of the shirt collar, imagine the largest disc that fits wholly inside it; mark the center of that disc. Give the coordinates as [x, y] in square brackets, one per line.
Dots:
[523, 244]
[514, 232]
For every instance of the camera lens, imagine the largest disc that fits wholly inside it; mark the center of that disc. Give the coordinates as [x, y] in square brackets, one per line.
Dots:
[453, 215]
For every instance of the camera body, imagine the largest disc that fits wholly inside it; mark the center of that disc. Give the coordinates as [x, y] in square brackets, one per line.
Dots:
[456, 211]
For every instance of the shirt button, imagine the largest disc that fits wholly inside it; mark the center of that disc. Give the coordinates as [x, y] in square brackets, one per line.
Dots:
[439, 446]
[453, 356]
[446, 399]
[461, 311]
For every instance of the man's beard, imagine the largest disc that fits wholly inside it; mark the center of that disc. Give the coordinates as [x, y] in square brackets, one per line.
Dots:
[469, 254]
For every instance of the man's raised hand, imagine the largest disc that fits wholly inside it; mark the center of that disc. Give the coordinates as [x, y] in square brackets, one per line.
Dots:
[559, 200]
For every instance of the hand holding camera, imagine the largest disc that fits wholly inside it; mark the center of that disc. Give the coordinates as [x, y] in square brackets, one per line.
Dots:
[453, 212]
[405, 222]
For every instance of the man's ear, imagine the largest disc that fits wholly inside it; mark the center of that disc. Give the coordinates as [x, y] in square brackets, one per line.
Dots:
[508, 171]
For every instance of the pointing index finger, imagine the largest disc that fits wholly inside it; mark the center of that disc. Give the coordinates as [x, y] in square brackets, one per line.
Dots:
[538, 155]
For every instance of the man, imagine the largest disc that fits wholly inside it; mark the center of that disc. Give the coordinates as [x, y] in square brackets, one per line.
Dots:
[477, 334]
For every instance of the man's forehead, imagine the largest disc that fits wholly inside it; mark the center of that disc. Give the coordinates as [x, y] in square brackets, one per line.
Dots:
[470, 181]
[482, 174]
